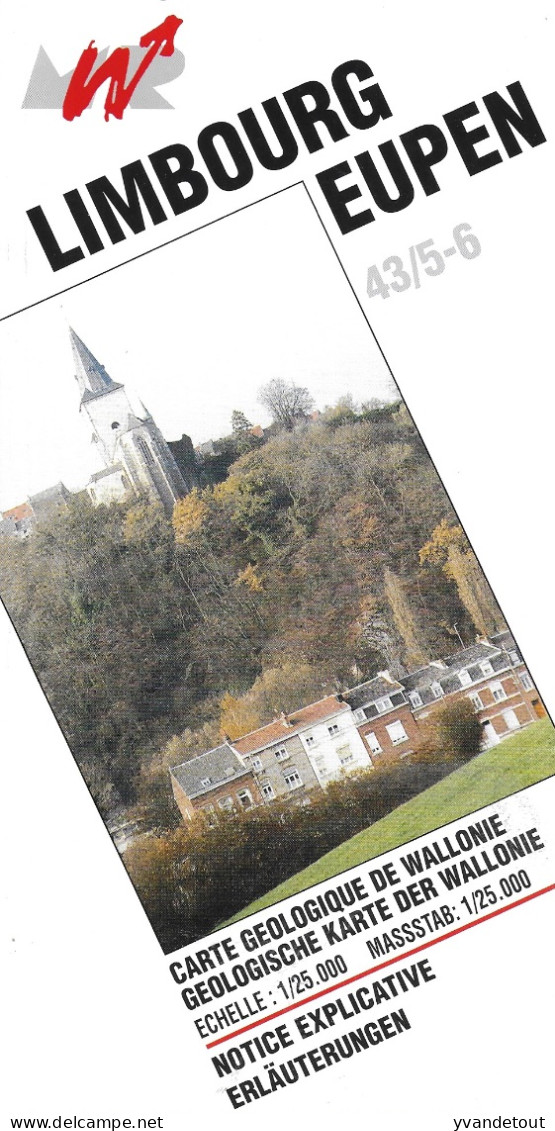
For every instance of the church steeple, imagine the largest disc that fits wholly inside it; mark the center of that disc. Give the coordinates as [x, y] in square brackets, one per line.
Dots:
[91, 376]
[137, 460]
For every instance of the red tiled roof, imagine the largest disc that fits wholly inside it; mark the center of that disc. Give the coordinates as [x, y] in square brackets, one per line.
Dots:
[298, 720]
[24, 510]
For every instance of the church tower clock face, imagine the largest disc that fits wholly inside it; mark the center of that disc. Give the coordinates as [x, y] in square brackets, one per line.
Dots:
[137, 460]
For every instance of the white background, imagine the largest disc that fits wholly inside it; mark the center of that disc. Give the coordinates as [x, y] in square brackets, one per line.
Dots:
[93, 1022]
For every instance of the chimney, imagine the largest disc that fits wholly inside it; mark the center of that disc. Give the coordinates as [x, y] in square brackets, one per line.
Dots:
[386, 675]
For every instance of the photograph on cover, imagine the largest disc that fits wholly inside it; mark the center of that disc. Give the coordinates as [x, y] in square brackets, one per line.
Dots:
[239, 578]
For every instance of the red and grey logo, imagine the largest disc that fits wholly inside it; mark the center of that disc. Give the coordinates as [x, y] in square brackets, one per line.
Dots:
[133, 74]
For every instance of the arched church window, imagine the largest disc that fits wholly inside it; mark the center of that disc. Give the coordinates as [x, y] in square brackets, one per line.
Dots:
[115, 424]
[145, 451]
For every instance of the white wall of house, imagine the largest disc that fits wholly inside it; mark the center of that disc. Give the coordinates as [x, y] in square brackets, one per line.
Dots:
[334, 747]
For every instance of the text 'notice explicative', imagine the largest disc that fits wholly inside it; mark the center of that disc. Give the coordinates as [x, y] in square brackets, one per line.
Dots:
[332, 973]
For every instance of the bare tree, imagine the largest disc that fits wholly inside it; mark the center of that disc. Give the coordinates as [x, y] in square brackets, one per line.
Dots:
[288, 403]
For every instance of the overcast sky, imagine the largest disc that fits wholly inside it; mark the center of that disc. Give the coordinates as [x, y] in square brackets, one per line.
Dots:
[193, 330]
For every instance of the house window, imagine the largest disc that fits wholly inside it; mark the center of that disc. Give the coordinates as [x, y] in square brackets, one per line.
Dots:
[345, 755]
[486, 668]
[333, 729]
[437, 690]
[397, 732]
[384, 704]
[476, 701]
[373, 743]
[293, 779]
[309, 739]
[415, 698]
[511, 721]
[281, 754]
[526, 681]
[498, 691]
[244, 796]
[205, 781]
[226, 803]
[257, 764]
[359, 715]
[465, 678]
[268, 791]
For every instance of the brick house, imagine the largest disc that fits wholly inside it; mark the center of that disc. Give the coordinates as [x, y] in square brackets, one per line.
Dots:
[288, 758]
[383, 716]
[304, 750]
[276, 755]
[217, 779]
[505, 641]
[492, 676]
[379, 720]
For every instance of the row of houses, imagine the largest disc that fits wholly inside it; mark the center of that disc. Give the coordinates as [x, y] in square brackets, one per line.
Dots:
[379, 720]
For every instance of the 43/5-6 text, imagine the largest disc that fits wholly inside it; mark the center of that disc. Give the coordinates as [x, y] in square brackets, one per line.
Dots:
[421, 257]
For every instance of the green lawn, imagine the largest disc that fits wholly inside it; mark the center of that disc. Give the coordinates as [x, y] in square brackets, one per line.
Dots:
[517, 762]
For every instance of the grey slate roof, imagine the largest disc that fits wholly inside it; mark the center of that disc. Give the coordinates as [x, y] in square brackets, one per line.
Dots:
[445, 672]
[424, 677]
[469, 656]
[91, 376]
[504, 640]
[220, 765]
[106, 471]
[365, 693]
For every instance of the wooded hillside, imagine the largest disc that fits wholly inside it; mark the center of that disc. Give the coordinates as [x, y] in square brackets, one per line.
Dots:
[323, 555]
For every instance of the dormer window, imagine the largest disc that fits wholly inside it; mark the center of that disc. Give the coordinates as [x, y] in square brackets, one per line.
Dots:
[464, 678]
[437, 690]
[415, 699]
[384, 704]
[486, 668]
[205, 781]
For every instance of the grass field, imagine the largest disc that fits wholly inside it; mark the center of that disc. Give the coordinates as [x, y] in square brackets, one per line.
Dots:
[517, 762]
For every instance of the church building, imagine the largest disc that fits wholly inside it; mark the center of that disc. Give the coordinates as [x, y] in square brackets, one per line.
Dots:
[137, 460]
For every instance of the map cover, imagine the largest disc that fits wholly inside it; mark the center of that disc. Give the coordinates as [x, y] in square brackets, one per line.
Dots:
[275, 565]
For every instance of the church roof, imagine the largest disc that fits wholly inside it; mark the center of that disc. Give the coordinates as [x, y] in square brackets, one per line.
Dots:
[113, 469]
[91, 376]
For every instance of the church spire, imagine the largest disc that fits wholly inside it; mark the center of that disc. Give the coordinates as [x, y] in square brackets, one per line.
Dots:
[91, 376]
